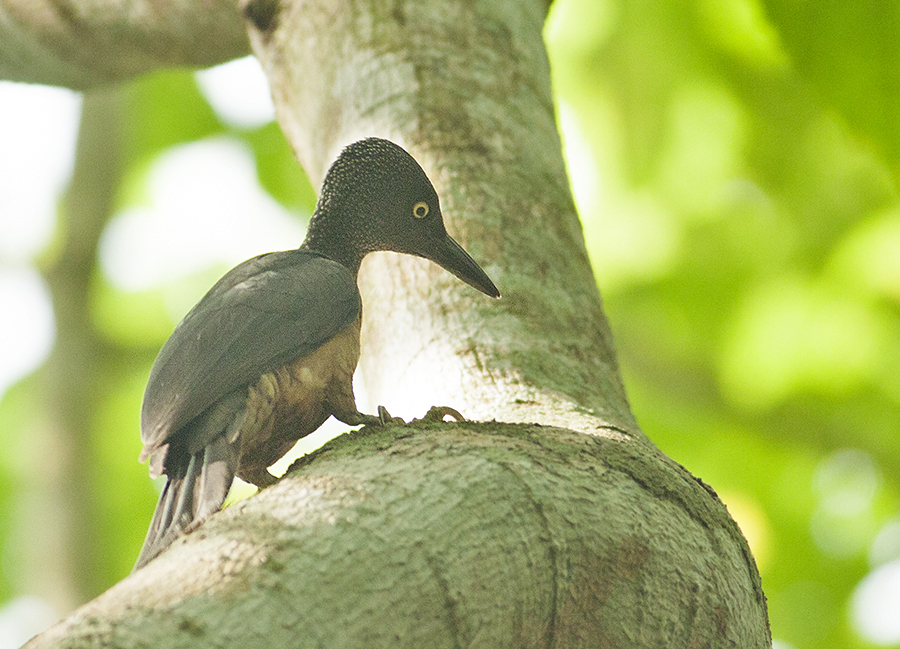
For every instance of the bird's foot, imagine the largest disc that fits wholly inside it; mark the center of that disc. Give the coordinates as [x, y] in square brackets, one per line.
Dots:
[385, 417]
[437, 413]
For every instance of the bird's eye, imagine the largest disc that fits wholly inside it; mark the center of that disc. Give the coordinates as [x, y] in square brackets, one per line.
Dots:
[420, 210]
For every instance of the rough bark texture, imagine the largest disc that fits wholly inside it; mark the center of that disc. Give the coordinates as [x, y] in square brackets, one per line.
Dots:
[464, 86]
[455, 535]
[86, 43]
[491, 534]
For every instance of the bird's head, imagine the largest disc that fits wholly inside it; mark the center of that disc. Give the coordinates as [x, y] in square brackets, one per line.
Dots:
[376, 197]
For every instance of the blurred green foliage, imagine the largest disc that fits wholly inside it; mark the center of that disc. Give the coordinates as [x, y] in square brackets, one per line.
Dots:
[736, 166]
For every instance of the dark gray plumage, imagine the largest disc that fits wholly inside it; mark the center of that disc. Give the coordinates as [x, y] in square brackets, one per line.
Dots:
[269, 352]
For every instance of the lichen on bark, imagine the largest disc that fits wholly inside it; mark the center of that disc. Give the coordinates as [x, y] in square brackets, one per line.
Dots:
[559, 525]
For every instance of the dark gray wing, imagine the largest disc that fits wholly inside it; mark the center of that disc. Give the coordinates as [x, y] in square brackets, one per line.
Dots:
[262, 314]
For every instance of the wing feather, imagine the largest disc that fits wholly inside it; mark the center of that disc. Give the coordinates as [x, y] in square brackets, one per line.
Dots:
[262, 314]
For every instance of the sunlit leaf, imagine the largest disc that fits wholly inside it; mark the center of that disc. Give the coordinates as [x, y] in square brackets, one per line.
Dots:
[850, 51]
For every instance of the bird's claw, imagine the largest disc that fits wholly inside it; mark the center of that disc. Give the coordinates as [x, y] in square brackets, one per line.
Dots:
[437, 413]
[385, 417]
[434, 414]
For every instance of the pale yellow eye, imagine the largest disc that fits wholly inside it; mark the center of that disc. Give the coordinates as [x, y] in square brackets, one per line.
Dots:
[420, 210]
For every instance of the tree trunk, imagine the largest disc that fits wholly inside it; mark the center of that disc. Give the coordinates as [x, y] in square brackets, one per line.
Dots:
[59, 512]
[569, 530]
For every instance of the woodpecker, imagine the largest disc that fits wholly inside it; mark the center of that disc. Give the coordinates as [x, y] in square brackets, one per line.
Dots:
[268, 354]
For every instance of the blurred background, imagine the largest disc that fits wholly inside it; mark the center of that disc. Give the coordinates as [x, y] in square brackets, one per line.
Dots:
[735, 164]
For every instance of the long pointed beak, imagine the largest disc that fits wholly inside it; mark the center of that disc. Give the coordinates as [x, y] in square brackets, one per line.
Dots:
[451, 257]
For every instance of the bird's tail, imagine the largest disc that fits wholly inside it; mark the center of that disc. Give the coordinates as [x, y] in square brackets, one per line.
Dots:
[196, 488]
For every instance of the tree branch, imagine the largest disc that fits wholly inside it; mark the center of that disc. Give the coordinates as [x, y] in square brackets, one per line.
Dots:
[82, 44]
[494, 554]
[464, 86]
[491, 534]
[61, 519]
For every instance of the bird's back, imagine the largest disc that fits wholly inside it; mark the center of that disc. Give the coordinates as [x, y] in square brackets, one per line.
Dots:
[262, 314]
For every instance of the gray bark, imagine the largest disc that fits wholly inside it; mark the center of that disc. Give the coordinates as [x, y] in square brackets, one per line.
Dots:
[572, 530]
[481, 535]
[83, 44]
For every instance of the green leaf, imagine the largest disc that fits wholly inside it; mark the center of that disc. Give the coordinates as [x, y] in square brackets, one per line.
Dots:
[850, 53]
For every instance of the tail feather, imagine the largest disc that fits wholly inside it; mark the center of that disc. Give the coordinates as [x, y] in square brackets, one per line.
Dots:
[196, 488]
